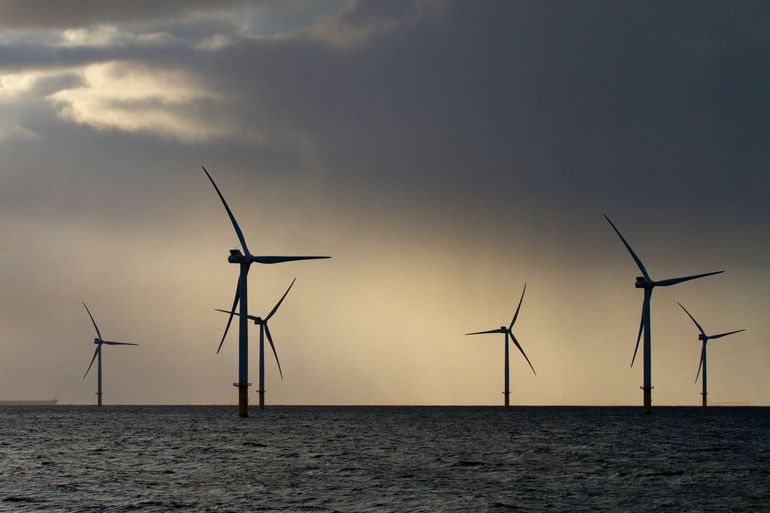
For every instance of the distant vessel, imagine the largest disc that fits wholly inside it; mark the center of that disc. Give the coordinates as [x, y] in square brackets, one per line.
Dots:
[48, 402]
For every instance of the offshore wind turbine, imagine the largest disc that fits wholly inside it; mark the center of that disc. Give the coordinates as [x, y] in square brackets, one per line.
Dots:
[705, 338]
[99, 341]
[244, 261]
[508, 332]
[263, 330]
[647, 283]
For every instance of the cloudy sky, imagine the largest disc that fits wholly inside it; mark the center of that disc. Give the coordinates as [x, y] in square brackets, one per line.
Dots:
[444, 153]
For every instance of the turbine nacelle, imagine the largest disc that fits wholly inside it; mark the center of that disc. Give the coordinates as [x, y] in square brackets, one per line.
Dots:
[258, 320]
[702, 337]
[643, 283]
[236, 257]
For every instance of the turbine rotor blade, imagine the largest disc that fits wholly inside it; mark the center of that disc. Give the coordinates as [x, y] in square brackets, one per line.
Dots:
[674, 281]
[232, 312]
[275, 308]
[111, 343]
[693, 320]
[272, 346]
[93, 321]
[498, 330]
[725, 334]
[517, 308]
[700, 363]
[252, 317]
[96, 352]
[281, 259]
[238, 231]
[639, 336]
[522, 351]
[628, 247]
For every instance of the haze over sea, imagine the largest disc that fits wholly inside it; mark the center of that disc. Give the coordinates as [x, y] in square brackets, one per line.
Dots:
[300, 458]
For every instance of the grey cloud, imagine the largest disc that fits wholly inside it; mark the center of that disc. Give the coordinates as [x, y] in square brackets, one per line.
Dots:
[364, 12]
[358, 20]
[624, 103]
[83, 13]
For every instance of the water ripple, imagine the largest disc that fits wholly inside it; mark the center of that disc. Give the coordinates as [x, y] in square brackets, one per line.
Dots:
[345, 459]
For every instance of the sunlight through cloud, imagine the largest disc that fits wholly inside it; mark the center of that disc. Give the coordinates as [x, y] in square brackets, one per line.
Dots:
[133, 98]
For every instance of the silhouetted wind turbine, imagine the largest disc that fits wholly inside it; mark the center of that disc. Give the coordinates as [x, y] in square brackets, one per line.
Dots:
[263, 330]
[508, 331]
[244, 260]
[705, 338]
[98, 353]
[647, 283]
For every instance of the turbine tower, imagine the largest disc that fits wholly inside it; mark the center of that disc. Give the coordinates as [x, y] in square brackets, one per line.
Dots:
[263, 330]
[705, 338]
[647, 283]
[508, 332]
[98, 353]
[244, 261]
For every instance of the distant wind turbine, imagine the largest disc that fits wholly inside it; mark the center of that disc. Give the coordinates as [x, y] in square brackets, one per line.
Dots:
[508, 332]
[647, 283]
[705, 338]
[263, 330]
[98, 353]
[244, 260]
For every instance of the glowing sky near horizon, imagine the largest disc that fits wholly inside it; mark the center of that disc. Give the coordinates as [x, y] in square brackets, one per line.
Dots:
[444, 153]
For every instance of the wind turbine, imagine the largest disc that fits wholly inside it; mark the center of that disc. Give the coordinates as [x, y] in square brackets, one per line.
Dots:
[244, 261]
[98, 353]
[508, 332]
[647, 283]
[705, 338]
[263, 330]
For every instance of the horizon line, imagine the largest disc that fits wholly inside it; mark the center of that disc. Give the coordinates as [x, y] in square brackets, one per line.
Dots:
[395, 405]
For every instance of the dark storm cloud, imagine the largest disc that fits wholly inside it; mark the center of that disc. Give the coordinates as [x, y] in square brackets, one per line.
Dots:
[554, 105]
[609, 104]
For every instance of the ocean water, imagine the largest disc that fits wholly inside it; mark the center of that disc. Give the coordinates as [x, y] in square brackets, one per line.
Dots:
[197, 458]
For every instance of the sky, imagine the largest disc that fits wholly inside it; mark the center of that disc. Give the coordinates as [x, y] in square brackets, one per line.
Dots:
[444, 153]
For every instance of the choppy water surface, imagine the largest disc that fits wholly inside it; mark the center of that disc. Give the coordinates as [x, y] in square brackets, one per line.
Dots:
[384, 459]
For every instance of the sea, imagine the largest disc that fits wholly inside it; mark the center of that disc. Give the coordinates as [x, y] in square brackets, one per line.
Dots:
[399, 459]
